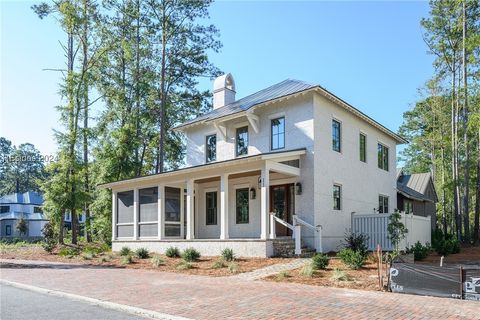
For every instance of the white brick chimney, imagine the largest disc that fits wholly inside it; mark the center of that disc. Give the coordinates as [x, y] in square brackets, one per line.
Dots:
[223, 91]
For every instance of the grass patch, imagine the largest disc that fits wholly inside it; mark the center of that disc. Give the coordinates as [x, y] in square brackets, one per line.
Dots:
[307, 271]
[233, 267]
[127, 259]
[184, 266]
[157, 261]
[218, 264]
[68, 252]
[340, 275]
[283, 275]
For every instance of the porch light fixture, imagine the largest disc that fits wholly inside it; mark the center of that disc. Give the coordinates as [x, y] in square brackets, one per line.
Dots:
[259, 182]
[253, 193]
[298, 188]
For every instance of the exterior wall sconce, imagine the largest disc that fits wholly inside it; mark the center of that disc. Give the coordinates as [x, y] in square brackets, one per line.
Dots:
[298, 188]
[259, 182]
[253, 193]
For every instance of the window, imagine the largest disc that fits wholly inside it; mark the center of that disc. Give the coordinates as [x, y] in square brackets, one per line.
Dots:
[8, 230]
[211, 207]
[278, 133]
[363, 147]
[211, 148]
[4, 209]
[67, 216]
[336, 135]
[242, 141]
[337, 194]
[242, 205]
[37, 210]
[382, 204]
[80, 217]
[408, 206]
[382, 157]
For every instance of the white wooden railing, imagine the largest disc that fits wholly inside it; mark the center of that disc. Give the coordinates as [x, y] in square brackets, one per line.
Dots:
[296, 231]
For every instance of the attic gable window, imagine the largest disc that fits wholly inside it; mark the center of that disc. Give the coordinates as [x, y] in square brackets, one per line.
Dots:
[242, 141]
[278, 133]
[211, 148]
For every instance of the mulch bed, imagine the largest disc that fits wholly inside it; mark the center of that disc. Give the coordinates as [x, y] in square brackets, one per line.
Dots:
[467, 255]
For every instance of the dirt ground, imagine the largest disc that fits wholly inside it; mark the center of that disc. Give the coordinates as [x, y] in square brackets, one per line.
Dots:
[201, 267]
[467, 255]
[365, 278]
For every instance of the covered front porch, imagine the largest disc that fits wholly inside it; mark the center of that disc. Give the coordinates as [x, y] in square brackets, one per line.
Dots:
[211, 207]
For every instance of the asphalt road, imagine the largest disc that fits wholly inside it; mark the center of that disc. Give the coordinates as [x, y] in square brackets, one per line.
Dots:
[20, 304]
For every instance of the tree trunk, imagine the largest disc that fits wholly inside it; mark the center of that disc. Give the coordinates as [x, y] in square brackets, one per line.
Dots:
[458, 223]
[61, 227]
[137, 91]
[163, 97]
[444, 201]
[466, 212]
[476, 234]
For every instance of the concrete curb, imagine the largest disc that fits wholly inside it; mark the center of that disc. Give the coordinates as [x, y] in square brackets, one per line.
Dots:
[105, 304]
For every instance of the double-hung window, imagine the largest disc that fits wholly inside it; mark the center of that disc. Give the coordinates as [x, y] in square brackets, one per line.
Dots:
[363, 147]
[211, 148]
[382, 157]
[242, 141]
[382, 204]
[337, 197]
[211, 208]
[336, 135]
[278, 133]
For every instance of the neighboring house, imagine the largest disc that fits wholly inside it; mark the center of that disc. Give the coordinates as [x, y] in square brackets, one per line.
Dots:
[68, 220]
[26, 205]
[416, 194]
[291, 159]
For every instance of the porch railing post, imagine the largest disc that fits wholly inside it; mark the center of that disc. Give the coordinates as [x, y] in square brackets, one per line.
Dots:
[298, 239]
[273, 234]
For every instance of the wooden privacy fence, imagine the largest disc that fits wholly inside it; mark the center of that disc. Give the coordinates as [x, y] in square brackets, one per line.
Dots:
[375, 227]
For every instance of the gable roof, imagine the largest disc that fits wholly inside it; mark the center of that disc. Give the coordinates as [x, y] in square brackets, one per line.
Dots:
[415, 185]
[29, 197]
[277, 91]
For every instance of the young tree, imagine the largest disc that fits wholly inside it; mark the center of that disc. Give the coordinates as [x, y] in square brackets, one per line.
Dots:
[22, 226]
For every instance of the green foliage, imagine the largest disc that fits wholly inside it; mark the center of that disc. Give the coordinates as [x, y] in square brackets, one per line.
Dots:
[48, 246]
[233, 267]
[419, 251]
[22, 226]
[125, 251]
[49, 237]
[396, 229]
[228, 254]
[172, 252]
[190, 255]
[88, 255]
[142, 253]
[307, 270]
[183, 266]
[340, 275]
[320, 261]
[356, 242]
[68, 252]
[157, 261]
[445, 244]
[283, 275]
[128, 259]
[218, 264]
[353, 259]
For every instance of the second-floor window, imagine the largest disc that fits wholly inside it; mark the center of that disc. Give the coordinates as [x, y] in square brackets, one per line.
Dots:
[382, 157]
[336, 136]
[211, 148]
[363, 147]
[37, 210]
[242, 141]
[4, 209]
[278, 133]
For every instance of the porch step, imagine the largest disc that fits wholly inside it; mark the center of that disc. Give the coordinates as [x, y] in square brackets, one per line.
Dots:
[285, 247]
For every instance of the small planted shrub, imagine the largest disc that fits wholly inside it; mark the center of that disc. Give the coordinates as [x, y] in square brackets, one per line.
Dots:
[419, 251]
[356, 242]
[340, 275]
[125, 251]
[353, 259]
[190, 255]
[184, 266]
[228, 254]
[142, 253]
[157, 261]
[48, 246]
[103, 259]
[320, 261]
[172, 252]
[68, 252]
[218, 264]
[128, 259]
[88, 255]
[233, 267]
[307, 270]
[282, 275]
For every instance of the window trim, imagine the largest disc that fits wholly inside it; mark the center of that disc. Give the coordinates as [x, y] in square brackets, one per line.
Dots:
[211, 190]
[339, 135]
[206, 147]
[236, 205]
[340, 196]
[362, 134]
[271, 132]
[236, 140]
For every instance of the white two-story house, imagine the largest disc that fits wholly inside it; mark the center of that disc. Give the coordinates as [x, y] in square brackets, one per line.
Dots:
[292, 160]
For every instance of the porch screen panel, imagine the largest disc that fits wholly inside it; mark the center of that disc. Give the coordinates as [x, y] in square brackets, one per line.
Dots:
[125, 231]
[148, 212]
[148, 230]
[172, 212]
[125, 214]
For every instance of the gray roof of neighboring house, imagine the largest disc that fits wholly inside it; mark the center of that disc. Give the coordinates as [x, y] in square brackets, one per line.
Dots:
[29, 197]
[279, 90]
[414, 185]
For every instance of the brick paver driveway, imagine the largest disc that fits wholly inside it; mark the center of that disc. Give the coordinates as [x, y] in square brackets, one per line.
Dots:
[227, 298]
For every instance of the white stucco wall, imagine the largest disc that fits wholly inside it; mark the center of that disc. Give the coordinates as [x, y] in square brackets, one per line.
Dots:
[361, 182]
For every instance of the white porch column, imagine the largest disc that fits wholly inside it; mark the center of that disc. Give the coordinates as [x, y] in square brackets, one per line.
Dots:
[224, 206]
[190, 210]
[264, 202]
[161, 210]
[135, 213]
[114, 215]
[182, 210]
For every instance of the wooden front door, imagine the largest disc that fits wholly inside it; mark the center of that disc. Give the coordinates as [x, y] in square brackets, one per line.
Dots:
[282, 200]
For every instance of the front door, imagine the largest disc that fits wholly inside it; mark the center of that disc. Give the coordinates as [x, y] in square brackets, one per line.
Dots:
[282, 204]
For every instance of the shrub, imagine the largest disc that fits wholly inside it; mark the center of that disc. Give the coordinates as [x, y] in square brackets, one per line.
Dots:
[125, 251]
[142, 253]
[128, 259]
[320, 261]
[103, 259]
[445, 244]
[356, 242]
[190, 254]
[48, 246]
[419, 251]
[228, 254]
[340, 275]
[233, 267]
[22, 226]
[68, 252]
[49, 241]
[88, 255]
[283, 275]
[172, 252]
[353, 259]
[157, 261]
[218, 264]
[184, 266]
[307, 270]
